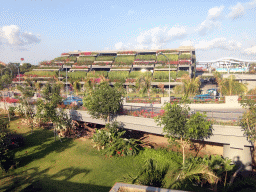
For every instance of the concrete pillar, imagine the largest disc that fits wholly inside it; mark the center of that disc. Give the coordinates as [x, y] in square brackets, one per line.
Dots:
[238, 155]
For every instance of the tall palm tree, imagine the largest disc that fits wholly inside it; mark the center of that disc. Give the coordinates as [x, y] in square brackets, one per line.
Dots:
[77, 86]
[190, 85]
[229, 86]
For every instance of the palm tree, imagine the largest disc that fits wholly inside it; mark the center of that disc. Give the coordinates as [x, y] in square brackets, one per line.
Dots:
[143, 83]
[229, 86]
[77, 86]
[190, 85]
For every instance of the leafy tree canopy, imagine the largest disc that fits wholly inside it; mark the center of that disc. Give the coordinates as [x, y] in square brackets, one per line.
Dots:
[104, 101]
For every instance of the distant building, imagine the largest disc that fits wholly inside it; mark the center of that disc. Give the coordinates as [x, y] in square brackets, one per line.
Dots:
[227, 64]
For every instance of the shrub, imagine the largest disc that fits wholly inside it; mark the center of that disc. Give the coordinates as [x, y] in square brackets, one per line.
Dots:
[15, 141]
[61, 58]
[152, 174]
[97, 74]
[110, 139]
[181, 73]
[11, 111]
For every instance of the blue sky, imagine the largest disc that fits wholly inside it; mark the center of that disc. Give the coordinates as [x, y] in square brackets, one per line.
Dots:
[38, 30]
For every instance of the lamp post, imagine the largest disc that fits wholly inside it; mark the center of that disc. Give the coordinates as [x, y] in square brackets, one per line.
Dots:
[160, 53]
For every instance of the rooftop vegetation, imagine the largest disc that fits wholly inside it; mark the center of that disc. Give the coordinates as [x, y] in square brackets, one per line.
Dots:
[185, 56]
[164, 75]
[77, 75]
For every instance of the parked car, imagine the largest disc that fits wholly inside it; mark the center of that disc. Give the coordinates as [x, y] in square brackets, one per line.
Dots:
[74, 100]
[210, 94]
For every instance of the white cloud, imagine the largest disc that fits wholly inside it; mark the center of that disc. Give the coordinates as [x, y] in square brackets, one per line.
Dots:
[11, 36]
[208, 26]
[157, 37]
[215, 13]
[211, 22]
[220, 43]
[251, 50]
[237, 11]
[119, 45]
[187, 43]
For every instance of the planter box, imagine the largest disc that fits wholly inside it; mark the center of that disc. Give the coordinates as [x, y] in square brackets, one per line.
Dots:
[144, 66]
[127, 54]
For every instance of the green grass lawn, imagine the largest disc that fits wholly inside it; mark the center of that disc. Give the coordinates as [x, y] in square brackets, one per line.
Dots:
[70, 165]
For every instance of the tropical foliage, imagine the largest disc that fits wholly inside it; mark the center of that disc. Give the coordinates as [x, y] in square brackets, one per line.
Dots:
[42, 73]
[229, 86]
[177, 125]
[77, 75]
[104, 101]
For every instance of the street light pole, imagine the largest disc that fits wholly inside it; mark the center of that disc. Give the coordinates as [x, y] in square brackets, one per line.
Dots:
[169, 73]
[67, 81]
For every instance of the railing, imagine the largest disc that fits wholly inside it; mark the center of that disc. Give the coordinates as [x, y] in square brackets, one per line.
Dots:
[153, 100]
[201, 99]
[151, 112]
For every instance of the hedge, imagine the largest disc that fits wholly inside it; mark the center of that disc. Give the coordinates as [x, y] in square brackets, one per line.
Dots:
[135, 74]
[105, 58]
[181, 73]
[42, 73]
[120, 75]
[97, 74]
[164, 75]
[169, 56]
[145, 57]
[87, 58]
[61, 59]
[124, 60]
[77, 75]
[185, 56]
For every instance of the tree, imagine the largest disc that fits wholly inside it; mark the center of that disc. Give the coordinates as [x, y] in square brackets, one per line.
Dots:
[248, 121]
[178, 124]
[103, 102]
[191, 86]
[77, 86]
[161, 86]
[229, 86]
[143, 83]
[27, 93]
[47, 109]
[25, 67]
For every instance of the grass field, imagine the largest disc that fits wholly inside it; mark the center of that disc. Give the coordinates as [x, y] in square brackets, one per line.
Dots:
[70, 165]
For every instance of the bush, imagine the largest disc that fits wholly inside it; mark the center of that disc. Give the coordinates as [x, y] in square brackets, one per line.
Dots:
[110, 139]
[185, 56]
[87, 58]
[6, 155]
[181, 73]
[15, 140]
[11, 111]
[77, 75]
[152, 174]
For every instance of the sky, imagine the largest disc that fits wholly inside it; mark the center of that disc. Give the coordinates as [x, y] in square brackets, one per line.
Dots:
[39, 30]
